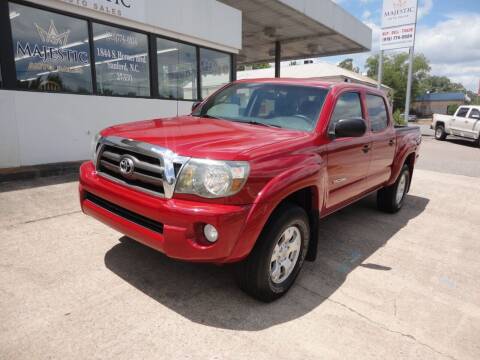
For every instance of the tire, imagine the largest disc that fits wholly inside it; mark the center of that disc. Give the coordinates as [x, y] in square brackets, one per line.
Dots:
[387, 199]
[256, 274]
[440, 133]
[477, 142]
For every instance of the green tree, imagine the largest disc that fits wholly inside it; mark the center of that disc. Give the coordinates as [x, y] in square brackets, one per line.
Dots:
[348, 64]
[253, 66]
[395, 73]
[474, 98]
[439, 84]
[261, 66]
[452, 108]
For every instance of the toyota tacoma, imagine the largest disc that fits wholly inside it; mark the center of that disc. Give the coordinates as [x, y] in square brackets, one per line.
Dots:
[247, 175]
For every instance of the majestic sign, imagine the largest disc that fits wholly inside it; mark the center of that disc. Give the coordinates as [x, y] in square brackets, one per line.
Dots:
[52, 36]
[129, 9]
[399, 13]
[399, 18]
[52, 49]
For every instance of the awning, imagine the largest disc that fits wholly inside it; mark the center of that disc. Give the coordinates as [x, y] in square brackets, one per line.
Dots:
[303, 28]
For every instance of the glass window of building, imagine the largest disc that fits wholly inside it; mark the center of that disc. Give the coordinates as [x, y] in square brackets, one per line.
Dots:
[177, 70]
[51, 51]
[214, 70]
[121, 61]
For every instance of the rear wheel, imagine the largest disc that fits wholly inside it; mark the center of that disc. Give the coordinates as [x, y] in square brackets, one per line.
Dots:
[275, 261]
[477, 142]
[440, 133]
[390, 199]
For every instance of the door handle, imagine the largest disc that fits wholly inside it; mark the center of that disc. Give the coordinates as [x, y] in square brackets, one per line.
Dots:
[391, 142]
[366, 148]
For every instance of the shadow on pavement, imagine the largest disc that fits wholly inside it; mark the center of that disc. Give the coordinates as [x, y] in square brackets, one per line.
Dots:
[37, 182]
[207, 294]
[469, 143]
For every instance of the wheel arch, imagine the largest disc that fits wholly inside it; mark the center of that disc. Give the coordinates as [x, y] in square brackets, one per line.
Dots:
[303, 185]
[410, 162]
[308, 199]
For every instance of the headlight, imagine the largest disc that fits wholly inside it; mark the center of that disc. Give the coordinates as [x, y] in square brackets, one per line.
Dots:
[93, 146]
[212, 178]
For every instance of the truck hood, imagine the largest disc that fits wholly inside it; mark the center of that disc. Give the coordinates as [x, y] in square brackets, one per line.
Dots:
[208, 138]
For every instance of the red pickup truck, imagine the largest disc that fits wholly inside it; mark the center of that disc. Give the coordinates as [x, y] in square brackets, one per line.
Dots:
[245, 178]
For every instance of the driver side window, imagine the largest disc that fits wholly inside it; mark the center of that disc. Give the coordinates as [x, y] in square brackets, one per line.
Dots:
[232, 103]
[462, 112]
[348, 106]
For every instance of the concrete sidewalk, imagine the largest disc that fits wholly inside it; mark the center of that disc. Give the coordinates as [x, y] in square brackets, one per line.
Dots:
[384, 286]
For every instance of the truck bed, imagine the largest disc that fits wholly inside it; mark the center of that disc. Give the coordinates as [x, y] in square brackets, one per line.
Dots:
[408, 137]
[399, 128]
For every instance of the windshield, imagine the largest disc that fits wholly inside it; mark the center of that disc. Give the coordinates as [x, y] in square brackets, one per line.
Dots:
[285, 106]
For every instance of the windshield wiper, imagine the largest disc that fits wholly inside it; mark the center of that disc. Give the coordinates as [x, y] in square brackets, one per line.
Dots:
[206, 116]
[210, 117]
[252, 122]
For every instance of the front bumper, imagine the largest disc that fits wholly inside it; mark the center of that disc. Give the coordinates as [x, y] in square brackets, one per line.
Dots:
[180, 234]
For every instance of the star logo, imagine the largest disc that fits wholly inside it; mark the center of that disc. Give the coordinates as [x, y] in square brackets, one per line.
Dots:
[399, 4]
[52, 36]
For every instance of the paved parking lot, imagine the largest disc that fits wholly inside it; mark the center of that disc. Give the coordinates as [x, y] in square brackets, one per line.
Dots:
[384, 286]
[453, 156]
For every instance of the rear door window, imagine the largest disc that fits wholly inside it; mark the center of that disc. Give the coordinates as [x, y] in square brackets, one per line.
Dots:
[378, 113]
[474, 113]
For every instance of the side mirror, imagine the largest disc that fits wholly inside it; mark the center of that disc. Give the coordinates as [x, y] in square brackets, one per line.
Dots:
[195, 104]
[350, 128]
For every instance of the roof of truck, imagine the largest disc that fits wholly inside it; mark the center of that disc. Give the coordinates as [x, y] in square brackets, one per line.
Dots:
[312, 82]
[286, 80]
[321, 70]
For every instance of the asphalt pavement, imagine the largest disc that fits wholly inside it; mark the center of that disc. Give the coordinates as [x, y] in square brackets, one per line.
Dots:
[452, 156]
[384, 286]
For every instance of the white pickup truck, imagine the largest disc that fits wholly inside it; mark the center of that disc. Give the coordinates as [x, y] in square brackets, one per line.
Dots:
[464, 123]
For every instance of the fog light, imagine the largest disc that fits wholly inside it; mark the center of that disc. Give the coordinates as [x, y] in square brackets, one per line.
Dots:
[210, 233]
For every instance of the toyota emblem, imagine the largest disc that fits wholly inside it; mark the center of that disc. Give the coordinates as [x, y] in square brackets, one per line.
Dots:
[127, 166]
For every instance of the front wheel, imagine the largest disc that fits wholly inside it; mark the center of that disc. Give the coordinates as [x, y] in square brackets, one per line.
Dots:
[440, 133]
[275, 261]
[390, 199]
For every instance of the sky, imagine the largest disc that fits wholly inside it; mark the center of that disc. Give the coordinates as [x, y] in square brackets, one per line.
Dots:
[448, 34]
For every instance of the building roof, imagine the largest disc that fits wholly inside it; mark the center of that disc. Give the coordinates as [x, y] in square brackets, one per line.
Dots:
[305, 28]
[322, 70]
[443, 96]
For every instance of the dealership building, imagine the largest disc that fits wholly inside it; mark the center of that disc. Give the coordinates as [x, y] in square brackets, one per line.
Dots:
[72, 67]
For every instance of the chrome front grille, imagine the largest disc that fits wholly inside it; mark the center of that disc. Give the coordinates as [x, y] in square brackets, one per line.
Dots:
[149, 171]
[139, 165]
